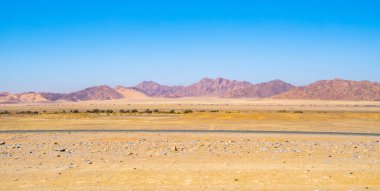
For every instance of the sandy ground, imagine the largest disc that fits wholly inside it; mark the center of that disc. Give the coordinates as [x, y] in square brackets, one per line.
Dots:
[192, 161]
[177, 161]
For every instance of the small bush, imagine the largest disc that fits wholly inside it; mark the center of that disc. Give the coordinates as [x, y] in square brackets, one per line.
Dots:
[156, 110]
[95, 111]
[75, 111]
[298, 111]
[172, 111]
[134, 111]
[282, 111]
[148, 111]
[188, 111]
[109, 111]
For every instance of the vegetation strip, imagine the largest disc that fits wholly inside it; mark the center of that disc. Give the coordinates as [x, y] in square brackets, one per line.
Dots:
[195, 131]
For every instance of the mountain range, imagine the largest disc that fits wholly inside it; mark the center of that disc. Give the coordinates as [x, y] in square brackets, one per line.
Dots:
[336, 89]
[219, 87]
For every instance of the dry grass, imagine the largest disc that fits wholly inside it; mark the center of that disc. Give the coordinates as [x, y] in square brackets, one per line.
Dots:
[259, 120]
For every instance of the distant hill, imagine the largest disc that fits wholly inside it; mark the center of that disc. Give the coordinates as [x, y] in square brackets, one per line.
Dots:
[268, 89]
[94, 93]
[28, 97]
[337, 89]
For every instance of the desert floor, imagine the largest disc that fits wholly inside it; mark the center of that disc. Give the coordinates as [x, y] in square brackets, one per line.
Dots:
[92, 160]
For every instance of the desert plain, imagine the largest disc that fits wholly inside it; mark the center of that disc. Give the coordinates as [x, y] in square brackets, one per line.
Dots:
[222, 144]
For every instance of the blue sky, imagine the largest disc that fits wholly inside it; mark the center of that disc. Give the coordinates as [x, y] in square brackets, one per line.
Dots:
[67, 45]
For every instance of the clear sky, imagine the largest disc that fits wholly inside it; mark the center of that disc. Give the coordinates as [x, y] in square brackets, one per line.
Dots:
[66, 45]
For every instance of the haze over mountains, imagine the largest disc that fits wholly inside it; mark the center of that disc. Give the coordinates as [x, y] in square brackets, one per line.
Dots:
[336, 89]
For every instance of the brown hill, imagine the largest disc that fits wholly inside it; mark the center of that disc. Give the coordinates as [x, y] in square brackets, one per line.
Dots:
[219, 87]
[131, 93]
[94, 93]
[29, 97]
[337, 89]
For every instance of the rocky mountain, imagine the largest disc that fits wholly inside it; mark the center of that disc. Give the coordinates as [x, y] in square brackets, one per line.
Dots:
[94, 93]
[336, 89]
[52, 96]
[219, 87]
[131, 93]
[157, 90]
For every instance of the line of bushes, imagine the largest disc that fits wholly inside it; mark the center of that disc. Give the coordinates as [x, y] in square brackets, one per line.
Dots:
[284, 111]
[27, 112]
[99, 111]
[108, 111]
[5, 113]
